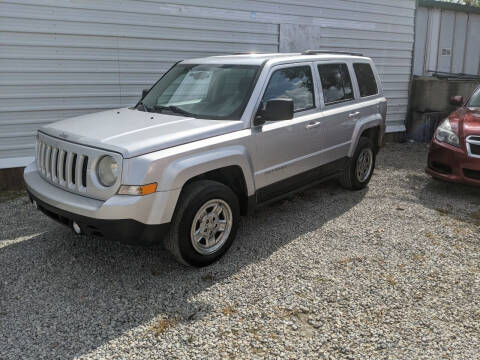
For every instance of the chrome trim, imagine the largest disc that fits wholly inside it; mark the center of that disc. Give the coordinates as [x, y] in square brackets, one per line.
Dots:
[61, 163]
[475, 140]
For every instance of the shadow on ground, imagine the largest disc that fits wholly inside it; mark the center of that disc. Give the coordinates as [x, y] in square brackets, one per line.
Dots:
[64, 296]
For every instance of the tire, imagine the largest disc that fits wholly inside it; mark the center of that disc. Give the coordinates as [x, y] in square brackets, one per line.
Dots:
[196, 204]
[351, 179]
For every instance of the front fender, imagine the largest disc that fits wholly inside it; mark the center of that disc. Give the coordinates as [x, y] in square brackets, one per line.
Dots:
[177, 173]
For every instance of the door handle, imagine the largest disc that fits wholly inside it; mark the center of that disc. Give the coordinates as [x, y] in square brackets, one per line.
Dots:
[356, 113]
[313, 125]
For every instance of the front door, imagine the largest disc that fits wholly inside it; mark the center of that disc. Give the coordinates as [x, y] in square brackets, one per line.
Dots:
[288, 148]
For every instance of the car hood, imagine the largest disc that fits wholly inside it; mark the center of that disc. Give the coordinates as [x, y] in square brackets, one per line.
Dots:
[132, 132]
[471, 121]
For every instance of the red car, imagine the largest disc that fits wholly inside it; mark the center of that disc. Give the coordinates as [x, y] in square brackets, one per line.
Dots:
[455, 150]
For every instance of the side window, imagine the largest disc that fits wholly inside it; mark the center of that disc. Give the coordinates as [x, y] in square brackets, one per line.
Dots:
[366, 79]
[336, 83]
[292, 83]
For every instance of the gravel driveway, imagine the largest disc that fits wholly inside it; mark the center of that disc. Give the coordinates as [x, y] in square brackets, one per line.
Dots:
[392, 271]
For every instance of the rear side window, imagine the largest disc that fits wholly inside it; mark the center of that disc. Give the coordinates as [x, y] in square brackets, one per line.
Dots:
[366, 79]
[292, 83]
[336, 83]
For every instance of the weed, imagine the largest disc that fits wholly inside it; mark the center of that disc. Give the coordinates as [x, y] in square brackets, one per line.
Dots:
[229, 310]
[391, 280]
[161, 326]
[443, 211]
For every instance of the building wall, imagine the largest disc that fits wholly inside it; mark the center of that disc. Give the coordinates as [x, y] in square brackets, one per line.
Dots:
[447, 39]
[61, 58]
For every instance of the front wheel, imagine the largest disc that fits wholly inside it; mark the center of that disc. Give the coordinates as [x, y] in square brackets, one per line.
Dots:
[359, 168]
[204, 224]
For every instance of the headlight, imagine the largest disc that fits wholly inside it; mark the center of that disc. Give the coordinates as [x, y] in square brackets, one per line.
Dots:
[107, 171]
[444, 133]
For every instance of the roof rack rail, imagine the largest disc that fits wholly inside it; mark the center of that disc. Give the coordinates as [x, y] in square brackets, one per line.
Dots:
[315, 52]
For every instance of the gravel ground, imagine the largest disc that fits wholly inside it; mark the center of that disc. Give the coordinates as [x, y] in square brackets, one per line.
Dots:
[392, 271]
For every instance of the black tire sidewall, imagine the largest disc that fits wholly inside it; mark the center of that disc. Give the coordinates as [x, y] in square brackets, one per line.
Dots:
[187, 251]
[363, 143]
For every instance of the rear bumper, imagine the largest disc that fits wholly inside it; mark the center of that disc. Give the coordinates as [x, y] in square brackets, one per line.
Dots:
[452, 164]
[126, 231]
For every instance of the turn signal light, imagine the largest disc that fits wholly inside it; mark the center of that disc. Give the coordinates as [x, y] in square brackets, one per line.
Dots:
[137, 190]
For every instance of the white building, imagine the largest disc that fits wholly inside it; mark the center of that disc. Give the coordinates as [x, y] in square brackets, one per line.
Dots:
[61, 58]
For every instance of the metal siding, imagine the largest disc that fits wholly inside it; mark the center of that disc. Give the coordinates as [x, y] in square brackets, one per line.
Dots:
[446, 40]
[61, 58]
[421, 29]
[446, 29]
[458, 51]
[472, 51]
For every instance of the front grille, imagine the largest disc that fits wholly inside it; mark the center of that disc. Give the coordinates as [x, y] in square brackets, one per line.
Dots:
[473, 146]
[61, 166]
[72, 166]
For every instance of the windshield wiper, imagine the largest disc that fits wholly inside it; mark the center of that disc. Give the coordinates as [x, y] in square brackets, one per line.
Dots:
[175, 109]
[147, 109]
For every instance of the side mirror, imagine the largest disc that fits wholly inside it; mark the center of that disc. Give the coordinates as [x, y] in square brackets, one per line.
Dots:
[456, 100]
[275, 110]
[144, 93]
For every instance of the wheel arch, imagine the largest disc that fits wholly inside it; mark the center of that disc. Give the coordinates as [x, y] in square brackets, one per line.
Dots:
[229, 166]
[373, 129]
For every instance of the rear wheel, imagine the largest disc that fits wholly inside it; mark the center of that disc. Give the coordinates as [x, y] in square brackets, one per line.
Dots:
[204, 224]
[359, 169]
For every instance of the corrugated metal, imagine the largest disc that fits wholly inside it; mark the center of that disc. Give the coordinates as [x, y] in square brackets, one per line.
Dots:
[60, 58]
[447, 40]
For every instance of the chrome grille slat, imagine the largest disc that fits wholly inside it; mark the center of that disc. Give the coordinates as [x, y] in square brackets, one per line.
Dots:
[42, 157]
[78, 171]
[473, 146]
[55, 163]
[48, 160]
[61, 157]
[69, 169]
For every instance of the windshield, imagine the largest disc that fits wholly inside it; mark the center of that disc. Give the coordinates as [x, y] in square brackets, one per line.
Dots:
[475, 99]
[210, 91]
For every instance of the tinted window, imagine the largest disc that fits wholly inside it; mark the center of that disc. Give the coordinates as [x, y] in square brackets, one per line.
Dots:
[366, 79]
[336, 83]
[292, 83]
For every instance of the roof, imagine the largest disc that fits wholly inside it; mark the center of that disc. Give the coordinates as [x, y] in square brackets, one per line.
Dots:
[259, 58]
[449, 6]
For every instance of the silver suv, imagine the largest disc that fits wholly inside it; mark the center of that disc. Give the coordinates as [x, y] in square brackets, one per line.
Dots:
[210, 141]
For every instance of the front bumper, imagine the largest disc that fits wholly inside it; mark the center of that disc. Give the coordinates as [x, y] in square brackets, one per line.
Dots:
[452, 164]
[126, 231]
[129, 219]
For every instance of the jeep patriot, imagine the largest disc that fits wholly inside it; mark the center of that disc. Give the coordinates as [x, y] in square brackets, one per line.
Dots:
[211, 140]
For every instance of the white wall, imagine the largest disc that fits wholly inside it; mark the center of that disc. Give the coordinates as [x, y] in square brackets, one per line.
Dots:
[60, 58]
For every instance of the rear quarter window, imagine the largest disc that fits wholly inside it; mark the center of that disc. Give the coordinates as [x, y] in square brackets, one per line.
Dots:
[365, 79]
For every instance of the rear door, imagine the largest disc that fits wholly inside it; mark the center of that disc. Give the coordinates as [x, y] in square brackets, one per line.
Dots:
[340, 112]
